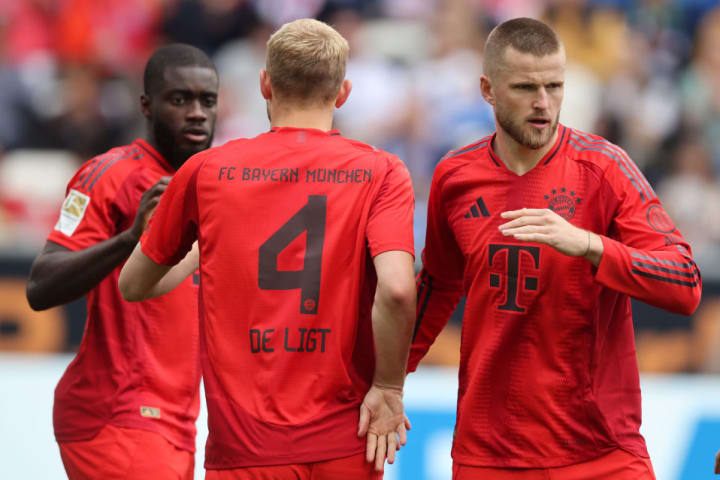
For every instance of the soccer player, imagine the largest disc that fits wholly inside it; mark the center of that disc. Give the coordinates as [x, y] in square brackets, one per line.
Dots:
[307, 289]
[548, 231]
[126, 406]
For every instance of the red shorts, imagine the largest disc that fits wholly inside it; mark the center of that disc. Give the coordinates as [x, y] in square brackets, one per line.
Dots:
[616, 465]
[124, 453]
[348, 468]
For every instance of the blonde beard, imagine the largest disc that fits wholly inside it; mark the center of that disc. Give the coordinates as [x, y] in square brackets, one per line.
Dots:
[528, 139]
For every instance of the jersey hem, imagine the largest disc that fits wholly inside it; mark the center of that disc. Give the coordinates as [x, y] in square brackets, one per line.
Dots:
[541, 462]
[389, 247]
[156, 257]
[68, 438]
[290, 460]
[159, 431]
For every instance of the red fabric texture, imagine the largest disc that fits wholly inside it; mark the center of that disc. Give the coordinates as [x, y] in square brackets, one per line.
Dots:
[126, 454]
[287, 223]
[354, 467]
[548, 372]
[616, 465]
[138, 364]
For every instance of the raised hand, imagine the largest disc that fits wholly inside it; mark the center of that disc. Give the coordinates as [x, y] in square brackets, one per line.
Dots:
[148, 202]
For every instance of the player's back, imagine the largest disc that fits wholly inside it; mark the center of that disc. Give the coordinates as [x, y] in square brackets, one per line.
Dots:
[287, 291]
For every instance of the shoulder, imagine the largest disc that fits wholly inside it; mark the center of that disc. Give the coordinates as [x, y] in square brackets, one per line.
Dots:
[358, 146]
[465, 152]
[228, 146]
[108, 171]
[228, 150]
[613, 162]
[456, 159]
[386, 161]
[361, 149]
[595, 149]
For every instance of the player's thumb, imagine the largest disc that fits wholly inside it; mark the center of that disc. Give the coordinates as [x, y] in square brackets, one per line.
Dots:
[364, 422]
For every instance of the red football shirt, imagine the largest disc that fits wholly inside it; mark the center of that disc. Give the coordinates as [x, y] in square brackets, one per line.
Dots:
[138, 363]
[548, 373]
[288, 223]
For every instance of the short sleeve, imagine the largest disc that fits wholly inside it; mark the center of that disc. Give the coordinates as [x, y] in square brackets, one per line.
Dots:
[173, 227]
[90, 212]
[390, 224]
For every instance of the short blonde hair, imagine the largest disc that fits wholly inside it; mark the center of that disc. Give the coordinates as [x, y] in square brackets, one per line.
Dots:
[526, 35]
[306, 61]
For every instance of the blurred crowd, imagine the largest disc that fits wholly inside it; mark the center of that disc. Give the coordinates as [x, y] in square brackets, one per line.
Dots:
[643, 73]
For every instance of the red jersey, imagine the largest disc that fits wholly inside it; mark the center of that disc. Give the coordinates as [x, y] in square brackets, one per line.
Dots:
[288, 223]
[548, 373]
[131, 369]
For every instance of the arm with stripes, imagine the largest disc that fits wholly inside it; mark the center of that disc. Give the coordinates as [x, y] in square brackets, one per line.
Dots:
[645, 256]
[439, 283]
[436, 301]
[69, 266]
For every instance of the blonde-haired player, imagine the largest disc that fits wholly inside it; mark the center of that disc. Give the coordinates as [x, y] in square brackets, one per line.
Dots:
[307, 289]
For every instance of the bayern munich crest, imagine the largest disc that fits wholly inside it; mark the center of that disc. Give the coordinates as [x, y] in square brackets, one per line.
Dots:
[563, 202]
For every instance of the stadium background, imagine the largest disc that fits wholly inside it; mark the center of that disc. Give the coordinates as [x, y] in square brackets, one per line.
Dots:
[645, 74]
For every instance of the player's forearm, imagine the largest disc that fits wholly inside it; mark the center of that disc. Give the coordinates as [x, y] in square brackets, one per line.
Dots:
[393, 317]
[437, 301]
[134, 291]
[665, 278]
[141, 278]
[60, 275]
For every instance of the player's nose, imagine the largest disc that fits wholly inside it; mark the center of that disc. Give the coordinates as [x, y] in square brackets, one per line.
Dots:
[541, 100]
[196, 111]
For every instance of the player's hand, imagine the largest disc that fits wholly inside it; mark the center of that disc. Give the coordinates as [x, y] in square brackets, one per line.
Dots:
[383, 420]
[547, 227]
[148, 202]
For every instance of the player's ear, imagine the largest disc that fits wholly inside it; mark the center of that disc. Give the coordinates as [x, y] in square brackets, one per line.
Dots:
[344, 93]
[486, 90]
[265, 85]
[145, 105]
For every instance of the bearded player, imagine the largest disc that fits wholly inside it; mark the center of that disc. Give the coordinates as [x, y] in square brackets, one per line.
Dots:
[126, 406]
[548, 231]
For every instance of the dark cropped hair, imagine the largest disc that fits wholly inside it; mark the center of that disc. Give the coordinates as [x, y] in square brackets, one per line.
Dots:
[525, 35]
[173, 55]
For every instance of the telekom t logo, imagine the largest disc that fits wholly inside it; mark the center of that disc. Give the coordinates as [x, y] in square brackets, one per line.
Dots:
[512, 268]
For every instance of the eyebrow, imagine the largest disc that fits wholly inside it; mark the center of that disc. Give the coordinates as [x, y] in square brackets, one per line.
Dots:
[535, 84]
[185, 91]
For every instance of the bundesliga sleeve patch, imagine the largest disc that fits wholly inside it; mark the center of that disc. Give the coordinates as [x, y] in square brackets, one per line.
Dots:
[149, 412]
[72, 212]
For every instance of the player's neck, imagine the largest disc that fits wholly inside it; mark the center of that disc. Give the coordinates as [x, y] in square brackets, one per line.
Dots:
[319, 118]
[518, 158]
[153, 142]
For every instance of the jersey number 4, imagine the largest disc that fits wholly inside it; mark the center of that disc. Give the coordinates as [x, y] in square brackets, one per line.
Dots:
[310, 219]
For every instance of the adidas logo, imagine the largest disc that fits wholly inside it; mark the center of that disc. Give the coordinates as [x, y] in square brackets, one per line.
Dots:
[478, 209]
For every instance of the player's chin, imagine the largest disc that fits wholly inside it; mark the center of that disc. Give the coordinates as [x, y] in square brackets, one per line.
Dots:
[536, 141]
